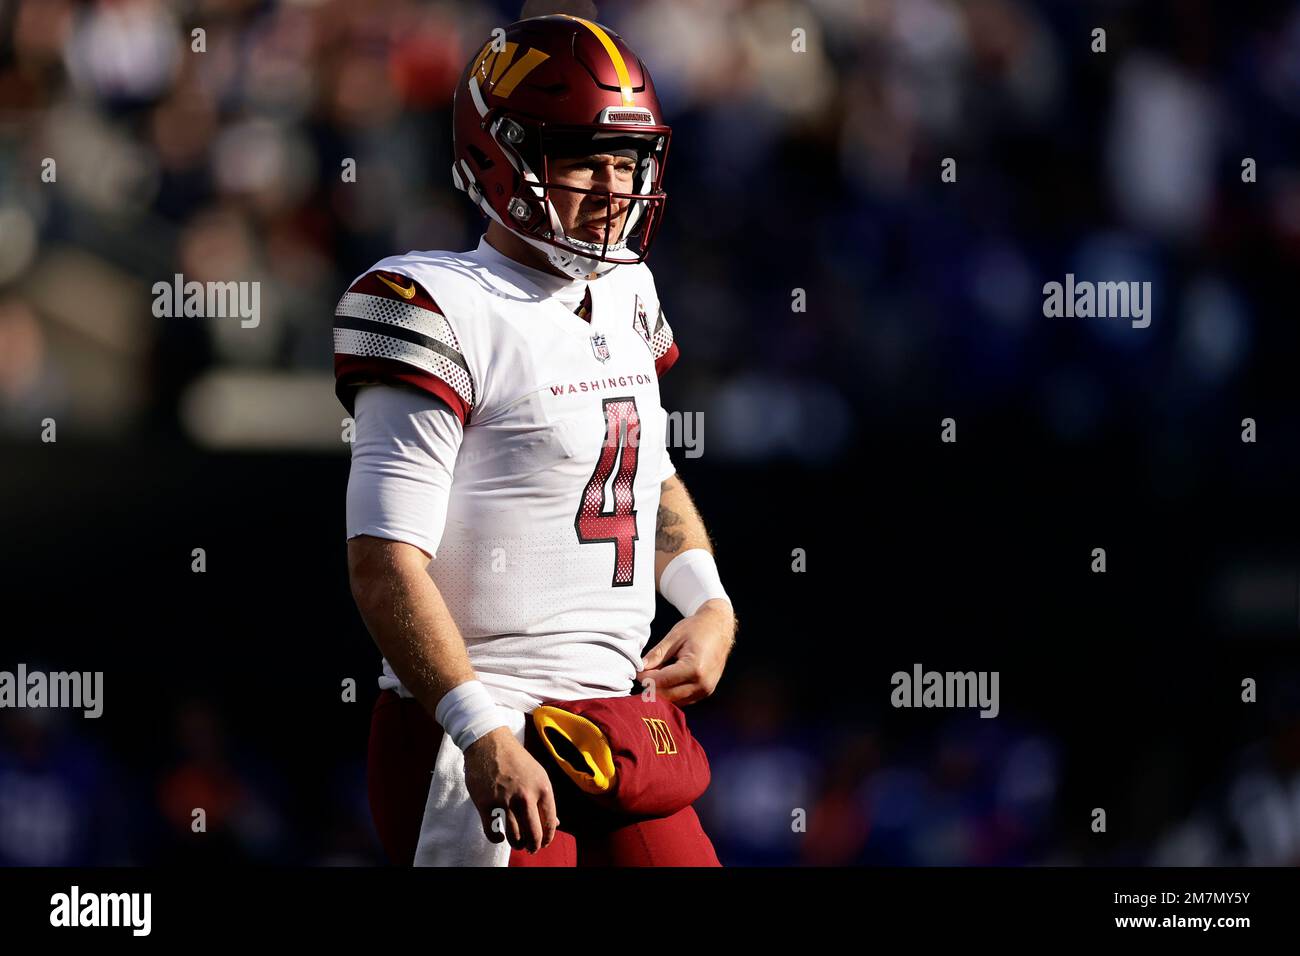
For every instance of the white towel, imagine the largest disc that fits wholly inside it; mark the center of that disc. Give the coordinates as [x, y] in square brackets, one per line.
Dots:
[452, 832]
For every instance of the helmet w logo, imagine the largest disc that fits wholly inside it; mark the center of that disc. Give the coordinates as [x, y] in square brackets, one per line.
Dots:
[490, 66]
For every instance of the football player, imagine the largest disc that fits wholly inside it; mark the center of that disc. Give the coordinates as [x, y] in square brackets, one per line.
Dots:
[512, 506]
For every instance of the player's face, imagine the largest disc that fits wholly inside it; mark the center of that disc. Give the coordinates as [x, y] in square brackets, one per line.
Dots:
[585, 216]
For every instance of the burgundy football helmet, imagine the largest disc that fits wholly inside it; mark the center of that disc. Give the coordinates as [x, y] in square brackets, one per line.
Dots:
[559, 86]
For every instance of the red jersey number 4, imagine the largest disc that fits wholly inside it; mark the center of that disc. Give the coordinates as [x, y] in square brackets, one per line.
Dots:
[594, 524]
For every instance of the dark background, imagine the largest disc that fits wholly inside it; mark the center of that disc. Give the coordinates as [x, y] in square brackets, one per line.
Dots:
[817, 171]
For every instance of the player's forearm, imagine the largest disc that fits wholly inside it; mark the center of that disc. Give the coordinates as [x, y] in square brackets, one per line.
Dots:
[678, 527]
[410, 623]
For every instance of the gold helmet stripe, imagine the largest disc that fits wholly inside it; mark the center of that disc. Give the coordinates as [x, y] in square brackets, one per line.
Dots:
[620, 67]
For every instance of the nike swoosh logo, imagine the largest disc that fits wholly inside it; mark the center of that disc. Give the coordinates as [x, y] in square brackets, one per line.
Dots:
[404, 293]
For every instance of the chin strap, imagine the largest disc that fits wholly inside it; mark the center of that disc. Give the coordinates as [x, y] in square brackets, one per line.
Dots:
[571, 263]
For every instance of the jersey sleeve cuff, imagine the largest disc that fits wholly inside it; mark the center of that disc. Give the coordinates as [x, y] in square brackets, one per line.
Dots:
[664, 362]
[353, 371]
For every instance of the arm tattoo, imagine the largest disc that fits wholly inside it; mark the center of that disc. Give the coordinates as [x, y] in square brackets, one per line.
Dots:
[667, 538]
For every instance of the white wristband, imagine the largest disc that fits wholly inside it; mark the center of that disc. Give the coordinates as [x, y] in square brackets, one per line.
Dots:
[467, 712]
[690, 579]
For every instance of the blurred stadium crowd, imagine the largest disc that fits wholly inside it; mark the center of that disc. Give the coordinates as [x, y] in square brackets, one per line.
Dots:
[814, 171]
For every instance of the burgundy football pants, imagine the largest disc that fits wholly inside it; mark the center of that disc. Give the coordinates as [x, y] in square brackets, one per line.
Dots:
[404, 743]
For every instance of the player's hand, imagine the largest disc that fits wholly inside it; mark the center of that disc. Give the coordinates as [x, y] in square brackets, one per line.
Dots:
[695, 650]
[501, 774]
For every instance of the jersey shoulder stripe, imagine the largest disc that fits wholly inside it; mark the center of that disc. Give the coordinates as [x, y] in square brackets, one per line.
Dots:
[662, 344]
[656, 333]
[388, 328]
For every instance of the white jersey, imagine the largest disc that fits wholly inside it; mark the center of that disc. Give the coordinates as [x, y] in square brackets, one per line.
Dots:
[546, 560]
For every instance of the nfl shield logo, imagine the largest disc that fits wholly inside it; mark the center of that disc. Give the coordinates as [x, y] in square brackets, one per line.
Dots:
[599, 346]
